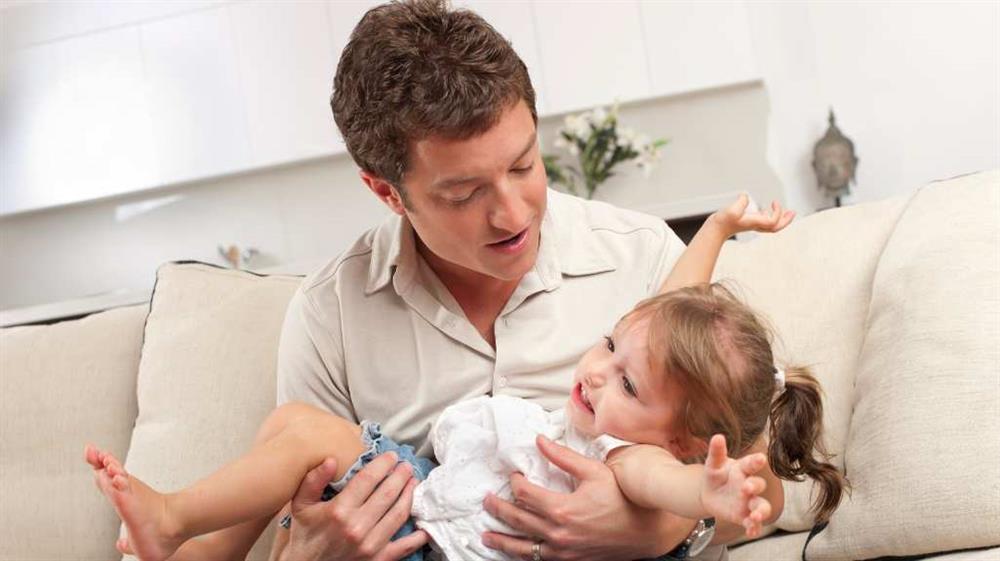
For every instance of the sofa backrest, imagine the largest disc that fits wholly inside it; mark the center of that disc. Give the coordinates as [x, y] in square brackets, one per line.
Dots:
[61, 386]
[813, 282]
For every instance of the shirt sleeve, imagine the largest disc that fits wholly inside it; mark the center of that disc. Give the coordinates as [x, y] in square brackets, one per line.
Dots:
[665, 257]
[601, 446]
[311, 358]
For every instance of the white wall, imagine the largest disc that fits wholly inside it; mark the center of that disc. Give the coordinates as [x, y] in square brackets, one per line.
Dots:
[915, 85]
[313, 210]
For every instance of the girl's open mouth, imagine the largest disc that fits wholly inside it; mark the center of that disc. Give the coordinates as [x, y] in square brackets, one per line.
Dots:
[581, 399]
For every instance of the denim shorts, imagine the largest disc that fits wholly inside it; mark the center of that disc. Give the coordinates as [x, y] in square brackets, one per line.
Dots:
[376, 444]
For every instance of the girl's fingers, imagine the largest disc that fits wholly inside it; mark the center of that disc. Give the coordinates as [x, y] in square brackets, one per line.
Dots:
[754, 486]
[716, 452]
[760, 509]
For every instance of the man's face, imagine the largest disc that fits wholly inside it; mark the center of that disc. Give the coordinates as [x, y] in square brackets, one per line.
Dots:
[477, 204]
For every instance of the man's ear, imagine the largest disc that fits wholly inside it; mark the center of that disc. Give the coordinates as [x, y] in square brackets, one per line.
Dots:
[385, 191]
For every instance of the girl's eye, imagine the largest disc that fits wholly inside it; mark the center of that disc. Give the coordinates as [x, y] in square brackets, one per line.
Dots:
[629, 388]
[609, 343]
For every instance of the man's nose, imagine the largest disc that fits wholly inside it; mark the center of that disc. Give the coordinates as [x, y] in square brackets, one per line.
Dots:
[511, 212]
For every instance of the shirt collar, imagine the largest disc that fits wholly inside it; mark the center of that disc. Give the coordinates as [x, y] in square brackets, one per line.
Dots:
[565, 249]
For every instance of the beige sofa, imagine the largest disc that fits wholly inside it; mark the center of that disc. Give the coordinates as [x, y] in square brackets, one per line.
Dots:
[895, 305]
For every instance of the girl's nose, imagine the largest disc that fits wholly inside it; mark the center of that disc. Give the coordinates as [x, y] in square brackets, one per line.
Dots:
[596, 377]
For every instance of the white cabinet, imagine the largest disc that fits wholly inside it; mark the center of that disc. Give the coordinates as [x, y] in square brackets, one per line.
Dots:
[197, 106]
[694, 45]
[592, 53]
[75, 122]
[102, 98]
[286, 64]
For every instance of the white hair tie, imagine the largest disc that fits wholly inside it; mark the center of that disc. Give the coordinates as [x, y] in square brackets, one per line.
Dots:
[779, 379]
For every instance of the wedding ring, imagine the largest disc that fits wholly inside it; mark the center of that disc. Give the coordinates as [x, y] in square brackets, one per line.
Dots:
[536, 551]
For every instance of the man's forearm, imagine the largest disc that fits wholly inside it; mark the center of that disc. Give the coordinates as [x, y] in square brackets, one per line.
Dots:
[674, 529]
[280, 539]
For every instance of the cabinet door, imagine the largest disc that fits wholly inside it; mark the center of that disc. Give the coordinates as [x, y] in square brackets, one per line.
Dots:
[695, 45]
[592, 53]
[198, 110]
[286, 67]
[36, 131]
[75, 122]
[514, 20]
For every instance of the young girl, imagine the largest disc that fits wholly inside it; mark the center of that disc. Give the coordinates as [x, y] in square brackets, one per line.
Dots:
[681, 367]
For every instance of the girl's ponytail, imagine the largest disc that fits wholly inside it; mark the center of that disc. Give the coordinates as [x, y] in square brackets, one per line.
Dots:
[796, 430]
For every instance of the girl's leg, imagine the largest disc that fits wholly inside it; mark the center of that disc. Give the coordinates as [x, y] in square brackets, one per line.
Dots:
[247, 492]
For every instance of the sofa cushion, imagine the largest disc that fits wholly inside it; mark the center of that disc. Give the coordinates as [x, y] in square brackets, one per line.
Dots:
[775, 547]
[207, 374]
[62, 386]
[922, 449]
[813, 282]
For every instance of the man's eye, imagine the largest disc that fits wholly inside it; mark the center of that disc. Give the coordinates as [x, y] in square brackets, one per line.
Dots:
[629, 388]
[459, 202]
[524, 169]
[609, 343]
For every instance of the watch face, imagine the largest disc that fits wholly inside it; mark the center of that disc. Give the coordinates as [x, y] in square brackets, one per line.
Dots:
[701, 536]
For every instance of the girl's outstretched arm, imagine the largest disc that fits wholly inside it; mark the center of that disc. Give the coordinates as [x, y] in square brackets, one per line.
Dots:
[724, 488]
[696, 264]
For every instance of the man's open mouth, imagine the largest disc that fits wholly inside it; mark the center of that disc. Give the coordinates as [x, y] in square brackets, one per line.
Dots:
[513, 240]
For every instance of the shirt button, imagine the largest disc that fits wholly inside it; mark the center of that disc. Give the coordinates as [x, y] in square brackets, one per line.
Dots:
[506, 322]
[502, 382]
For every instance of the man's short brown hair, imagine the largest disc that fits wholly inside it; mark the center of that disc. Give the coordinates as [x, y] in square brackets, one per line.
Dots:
[415, 69]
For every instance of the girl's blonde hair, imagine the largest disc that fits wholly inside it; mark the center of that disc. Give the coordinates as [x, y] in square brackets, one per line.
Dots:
[719, 351]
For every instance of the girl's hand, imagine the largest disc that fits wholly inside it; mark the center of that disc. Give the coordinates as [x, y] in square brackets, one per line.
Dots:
[731, 492]
[735, 219]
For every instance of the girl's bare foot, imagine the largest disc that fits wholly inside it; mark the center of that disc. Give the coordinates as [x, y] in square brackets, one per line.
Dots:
[151, 535]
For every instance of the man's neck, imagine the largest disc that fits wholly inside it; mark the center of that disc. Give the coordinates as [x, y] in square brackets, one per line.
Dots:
[480, 296]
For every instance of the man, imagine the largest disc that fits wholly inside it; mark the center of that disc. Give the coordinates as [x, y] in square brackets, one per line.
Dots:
[481, 282]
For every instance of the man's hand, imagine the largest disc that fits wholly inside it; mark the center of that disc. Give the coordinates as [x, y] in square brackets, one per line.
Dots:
[730, 490]
[358, 523]
[593, 522]
[735, 219]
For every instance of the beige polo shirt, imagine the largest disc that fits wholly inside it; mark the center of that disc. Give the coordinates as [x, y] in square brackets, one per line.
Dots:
[375, 335]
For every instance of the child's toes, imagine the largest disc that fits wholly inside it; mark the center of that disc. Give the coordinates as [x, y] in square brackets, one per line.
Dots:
[120, 483]
[91, 456]
[124, 547]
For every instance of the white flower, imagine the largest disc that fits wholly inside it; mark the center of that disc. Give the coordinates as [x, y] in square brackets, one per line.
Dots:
[573, 149]
[626, 137]
[577, 126]
[560, 142]
[598, 116]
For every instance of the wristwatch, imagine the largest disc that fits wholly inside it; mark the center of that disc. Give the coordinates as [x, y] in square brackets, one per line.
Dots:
[696, 542]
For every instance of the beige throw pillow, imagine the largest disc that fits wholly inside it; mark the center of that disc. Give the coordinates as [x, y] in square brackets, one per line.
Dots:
[813, 282]
[62, 386]
[923, 451]
[207, 374]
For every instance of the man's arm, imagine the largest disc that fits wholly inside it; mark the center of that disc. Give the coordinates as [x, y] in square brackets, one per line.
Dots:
[359, 522]
[596, 521]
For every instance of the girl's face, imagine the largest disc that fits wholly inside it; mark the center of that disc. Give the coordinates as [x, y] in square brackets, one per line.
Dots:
[616, 393]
